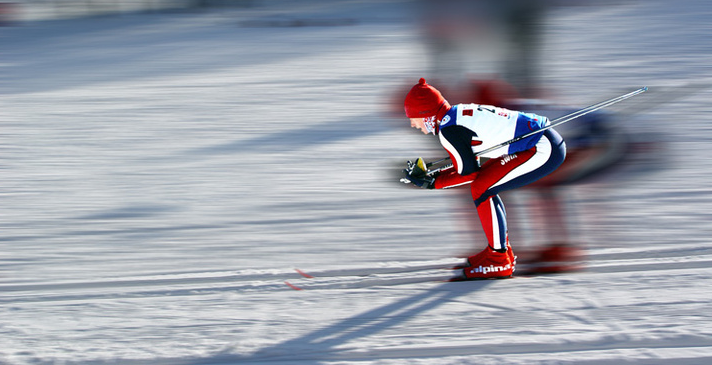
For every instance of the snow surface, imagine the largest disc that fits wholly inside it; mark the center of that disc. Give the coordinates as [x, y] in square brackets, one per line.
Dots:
[162, 175]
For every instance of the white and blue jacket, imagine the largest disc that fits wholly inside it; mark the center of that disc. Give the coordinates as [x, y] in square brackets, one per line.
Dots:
[469, 128]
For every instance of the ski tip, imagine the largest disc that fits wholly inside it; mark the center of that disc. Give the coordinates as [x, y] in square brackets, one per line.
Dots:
[644, 88]
[293, 286]
[302, 273]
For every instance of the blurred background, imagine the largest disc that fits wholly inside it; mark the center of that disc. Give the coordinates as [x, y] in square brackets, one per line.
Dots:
[136, 129]
[162, 137]
[175, 122]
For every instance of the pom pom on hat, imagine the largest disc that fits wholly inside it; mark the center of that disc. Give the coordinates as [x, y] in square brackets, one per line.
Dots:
[423, 100]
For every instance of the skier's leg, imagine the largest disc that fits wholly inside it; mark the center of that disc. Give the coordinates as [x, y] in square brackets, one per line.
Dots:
[501, 174]
[494, 222]
[496, 260]
[490, 207]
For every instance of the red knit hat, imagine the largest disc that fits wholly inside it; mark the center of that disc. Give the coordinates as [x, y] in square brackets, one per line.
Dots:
[423, 101]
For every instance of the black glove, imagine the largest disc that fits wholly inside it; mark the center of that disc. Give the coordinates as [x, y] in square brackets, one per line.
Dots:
[417, 174]
[425, 182]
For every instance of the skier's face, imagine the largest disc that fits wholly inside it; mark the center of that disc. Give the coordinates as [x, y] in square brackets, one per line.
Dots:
[419, 123]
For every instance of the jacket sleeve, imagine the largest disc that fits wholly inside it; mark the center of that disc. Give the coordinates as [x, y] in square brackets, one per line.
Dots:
[458, 141]
[449, 178]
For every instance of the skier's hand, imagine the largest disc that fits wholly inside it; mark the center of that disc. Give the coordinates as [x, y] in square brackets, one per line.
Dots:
[425, 181]
[417, 174]
[417, 168]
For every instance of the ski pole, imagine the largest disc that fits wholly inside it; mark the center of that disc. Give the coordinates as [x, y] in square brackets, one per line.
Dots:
[437, 162]
[553, 123]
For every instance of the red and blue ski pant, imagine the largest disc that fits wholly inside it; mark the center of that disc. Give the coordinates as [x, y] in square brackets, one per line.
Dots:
[510, 172]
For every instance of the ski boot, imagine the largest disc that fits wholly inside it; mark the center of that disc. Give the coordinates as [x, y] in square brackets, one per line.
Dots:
[490, 264]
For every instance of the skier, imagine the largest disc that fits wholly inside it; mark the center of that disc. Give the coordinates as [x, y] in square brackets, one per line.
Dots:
[464, 130]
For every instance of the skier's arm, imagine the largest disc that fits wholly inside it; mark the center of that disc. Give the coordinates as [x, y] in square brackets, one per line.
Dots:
[457, 141]
[449, 178]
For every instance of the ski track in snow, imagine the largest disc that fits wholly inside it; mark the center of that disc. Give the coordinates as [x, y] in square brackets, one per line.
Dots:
[163, 175]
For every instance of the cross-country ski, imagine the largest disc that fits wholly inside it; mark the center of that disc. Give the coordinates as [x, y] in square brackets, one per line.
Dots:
[375, 280]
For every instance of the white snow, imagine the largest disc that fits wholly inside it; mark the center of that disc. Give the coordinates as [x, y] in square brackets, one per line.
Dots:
[162, 174]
